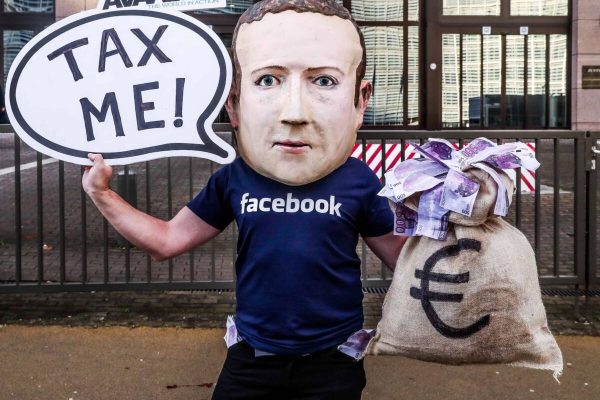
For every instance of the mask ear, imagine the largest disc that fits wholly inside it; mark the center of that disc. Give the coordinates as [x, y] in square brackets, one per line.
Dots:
[364, 94]
[232, 109]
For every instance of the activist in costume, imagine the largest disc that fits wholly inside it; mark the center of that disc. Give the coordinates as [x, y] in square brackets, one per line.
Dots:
[300, 203]
[313, 286]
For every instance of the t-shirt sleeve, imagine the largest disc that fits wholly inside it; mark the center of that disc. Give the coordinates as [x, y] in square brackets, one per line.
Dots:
[377, 218]
[211, 204]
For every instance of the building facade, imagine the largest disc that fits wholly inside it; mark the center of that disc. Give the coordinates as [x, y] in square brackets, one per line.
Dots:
[434, 64]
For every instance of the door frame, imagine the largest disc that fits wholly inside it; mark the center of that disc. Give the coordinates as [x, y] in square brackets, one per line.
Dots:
[437, 24]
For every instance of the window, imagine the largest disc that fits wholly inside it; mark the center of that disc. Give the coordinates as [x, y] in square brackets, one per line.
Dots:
[29, 6]
[539, 7]
[513, 74]
[392, 37]
[20, 20]
[471, 7]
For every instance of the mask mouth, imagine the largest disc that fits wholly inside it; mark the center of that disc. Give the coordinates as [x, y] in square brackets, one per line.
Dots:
[292, 144]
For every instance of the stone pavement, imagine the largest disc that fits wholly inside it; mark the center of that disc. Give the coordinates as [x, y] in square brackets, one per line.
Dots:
[59, 363]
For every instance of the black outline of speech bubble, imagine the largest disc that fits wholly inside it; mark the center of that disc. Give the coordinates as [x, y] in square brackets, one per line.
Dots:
[208, 145]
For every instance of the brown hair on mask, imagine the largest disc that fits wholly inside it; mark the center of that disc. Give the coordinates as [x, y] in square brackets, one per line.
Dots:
[325, 7]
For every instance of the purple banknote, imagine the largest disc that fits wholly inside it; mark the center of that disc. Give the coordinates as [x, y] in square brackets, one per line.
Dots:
[433, 219]
[459, 193]
[405, 220]
[356, 344]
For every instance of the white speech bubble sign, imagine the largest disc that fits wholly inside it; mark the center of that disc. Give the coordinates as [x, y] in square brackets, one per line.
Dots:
[133, 85]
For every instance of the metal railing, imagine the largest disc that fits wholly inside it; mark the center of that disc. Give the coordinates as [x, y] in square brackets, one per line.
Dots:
[52, 239]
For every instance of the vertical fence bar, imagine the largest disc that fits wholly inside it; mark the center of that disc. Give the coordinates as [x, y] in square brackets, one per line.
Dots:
[191, 196]
[402, 150]
[148, 208]
[556, 209]
[537, 206]
[581, 215]
[61, 219]
[40, 219]
[169, 209]
[591, 213]
[83, 234]
[383, 162]
[18, 229]
[127, 245]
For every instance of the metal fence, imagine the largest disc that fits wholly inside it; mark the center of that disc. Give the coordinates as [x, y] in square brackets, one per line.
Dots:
[52, 238]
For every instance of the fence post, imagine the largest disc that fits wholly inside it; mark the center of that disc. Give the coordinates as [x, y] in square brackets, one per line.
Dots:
[592, 151]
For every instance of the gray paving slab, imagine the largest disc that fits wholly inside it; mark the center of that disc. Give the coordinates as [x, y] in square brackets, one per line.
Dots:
[54, 363]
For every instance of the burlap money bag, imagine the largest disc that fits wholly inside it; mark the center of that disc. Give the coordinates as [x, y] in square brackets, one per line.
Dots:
[472, 298]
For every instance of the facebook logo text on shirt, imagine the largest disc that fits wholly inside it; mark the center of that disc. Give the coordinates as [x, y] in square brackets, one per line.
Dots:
[289, 205]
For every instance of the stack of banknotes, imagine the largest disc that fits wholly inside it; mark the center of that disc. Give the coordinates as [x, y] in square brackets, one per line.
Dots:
[439, 177]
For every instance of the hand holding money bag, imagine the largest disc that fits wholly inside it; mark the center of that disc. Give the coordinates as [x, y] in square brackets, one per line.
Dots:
[465, 289]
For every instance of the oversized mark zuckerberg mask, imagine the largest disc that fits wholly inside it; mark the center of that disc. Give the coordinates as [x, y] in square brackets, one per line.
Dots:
[295, 113]
[132, 85]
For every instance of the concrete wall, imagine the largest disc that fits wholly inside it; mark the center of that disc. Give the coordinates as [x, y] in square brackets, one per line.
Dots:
[64, 8]
[585, 104]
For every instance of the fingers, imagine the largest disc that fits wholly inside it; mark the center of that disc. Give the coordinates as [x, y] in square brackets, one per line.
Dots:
[98, 163]
[97, 159]
[96, 177]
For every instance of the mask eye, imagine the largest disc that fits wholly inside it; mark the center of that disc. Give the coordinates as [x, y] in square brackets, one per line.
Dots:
[267, 81]
[324, 80]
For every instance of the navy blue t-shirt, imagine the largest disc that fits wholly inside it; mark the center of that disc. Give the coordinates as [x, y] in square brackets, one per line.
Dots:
[298, 275]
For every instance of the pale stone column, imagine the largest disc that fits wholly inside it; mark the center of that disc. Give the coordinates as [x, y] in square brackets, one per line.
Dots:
[64, 8]
[585, 103]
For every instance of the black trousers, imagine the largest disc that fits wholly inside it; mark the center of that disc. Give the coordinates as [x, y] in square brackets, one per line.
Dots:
[326, 375]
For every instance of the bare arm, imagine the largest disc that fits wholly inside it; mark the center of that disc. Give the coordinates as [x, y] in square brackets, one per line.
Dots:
[387, 247]
[161, 239]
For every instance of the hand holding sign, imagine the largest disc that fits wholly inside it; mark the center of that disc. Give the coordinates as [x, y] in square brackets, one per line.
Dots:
[132, 85]
[97, 178]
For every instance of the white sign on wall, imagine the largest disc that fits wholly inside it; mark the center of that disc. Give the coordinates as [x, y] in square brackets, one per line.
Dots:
[130, 84]
[180, 5]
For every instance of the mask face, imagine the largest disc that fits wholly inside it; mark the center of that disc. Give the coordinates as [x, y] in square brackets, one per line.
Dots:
[295, 112]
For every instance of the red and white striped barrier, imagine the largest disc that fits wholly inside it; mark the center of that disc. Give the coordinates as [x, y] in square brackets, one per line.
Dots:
[393, 155]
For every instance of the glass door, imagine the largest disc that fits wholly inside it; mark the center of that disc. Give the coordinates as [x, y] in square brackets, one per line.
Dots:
[504, 81]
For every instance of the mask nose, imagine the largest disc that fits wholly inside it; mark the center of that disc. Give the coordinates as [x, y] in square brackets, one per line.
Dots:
[295, 109]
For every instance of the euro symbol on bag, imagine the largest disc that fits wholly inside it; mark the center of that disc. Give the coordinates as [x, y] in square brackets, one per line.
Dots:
[426, 296]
